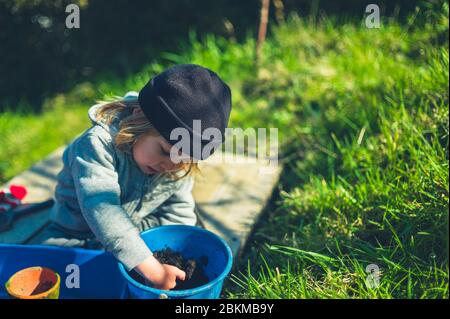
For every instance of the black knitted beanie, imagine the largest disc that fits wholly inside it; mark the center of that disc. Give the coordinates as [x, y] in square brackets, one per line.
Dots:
[182, 94]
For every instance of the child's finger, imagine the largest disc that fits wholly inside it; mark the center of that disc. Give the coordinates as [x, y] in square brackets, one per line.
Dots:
[181, 274]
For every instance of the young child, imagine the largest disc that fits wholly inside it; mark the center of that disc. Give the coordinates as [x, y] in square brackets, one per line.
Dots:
[119, 179]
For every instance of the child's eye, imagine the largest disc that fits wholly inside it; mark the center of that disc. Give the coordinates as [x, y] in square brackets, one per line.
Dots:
[164, 152]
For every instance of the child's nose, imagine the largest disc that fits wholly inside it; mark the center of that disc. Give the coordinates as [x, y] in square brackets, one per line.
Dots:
[167, 165]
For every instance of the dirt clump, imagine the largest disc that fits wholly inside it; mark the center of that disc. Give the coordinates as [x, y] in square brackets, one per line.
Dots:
[194, 269]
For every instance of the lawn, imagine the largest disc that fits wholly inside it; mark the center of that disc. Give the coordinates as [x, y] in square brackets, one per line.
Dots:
[363, 124]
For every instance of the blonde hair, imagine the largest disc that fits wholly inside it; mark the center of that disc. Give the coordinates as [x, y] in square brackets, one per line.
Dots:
[132, 127]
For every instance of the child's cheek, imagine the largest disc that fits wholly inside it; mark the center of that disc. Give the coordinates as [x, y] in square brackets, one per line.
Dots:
[137, 154]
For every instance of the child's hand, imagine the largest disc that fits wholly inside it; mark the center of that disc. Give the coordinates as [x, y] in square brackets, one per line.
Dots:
[168, 281]
[161, 276]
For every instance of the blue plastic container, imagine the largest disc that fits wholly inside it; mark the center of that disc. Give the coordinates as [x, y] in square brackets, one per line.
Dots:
[193, 243]
[99, 275]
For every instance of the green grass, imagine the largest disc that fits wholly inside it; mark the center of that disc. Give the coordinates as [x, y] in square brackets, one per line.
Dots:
[363, 123]
[29, 137]
[366, 166]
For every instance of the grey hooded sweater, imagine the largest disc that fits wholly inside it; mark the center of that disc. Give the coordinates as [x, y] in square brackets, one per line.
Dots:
[102, 192]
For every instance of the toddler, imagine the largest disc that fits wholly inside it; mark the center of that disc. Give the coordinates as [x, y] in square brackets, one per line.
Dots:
[132, 170]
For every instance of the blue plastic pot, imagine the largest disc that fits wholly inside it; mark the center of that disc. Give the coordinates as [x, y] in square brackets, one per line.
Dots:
[193, 243]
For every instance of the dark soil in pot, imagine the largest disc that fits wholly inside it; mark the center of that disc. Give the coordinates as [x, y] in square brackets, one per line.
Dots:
[194, 269]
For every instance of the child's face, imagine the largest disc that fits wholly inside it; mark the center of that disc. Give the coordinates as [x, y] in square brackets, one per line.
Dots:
[152, 154]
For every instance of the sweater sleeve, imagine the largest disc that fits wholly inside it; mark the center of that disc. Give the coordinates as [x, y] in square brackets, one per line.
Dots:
[98, 192]
[179, 207]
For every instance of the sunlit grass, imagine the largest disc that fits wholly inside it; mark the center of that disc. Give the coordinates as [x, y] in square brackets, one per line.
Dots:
[363, 122]
[28, 137]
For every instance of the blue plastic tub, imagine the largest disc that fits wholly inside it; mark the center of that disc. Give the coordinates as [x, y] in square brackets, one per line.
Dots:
[99, 275]
[193, 243]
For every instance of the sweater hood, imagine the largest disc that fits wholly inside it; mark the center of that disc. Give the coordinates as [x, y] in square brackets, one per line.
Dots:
[130, 99]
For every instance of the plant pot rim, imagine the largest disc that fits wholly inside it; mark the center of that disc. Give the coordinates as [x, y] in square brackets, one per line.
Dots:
[37, 296]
